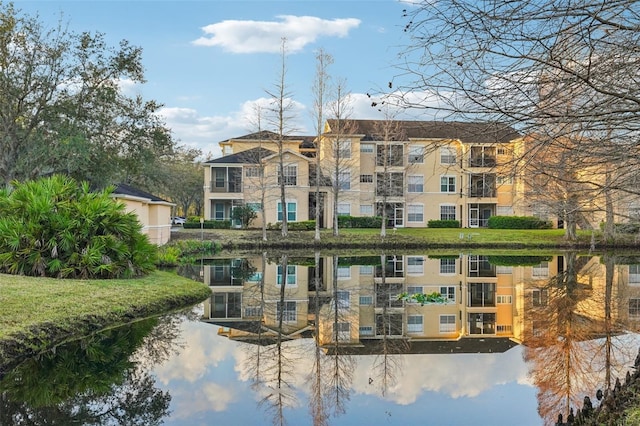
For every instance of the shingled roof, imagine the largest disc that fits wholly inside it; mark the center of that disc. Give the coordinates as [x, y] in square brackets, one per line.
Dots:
[124, 189]
[471, 132]
[250, 156]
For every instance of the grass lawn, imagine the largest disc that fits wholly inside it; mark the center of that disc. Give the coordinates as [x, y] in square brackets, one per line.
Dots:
[40, 312]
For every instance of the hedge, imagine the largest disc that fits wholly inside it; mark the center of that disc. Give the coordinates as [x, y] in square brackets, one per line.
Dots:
[306, 225]
[517, 222]
[208, 224]
[359, 222]
[443, 224]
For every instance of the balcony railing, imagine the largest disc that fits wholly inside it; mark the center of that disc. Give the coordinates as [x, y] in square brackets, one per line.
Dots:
[482, 161]
[225, 186]
[482, 192]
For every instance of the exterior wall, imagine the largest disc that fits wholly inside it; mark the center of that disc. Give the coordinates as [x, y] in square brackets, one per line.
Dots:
[155, 217]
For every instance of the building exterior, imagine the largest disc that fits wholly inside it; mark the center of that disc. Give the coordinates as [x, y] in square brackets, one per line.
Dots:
[415, 171]
[153, 212]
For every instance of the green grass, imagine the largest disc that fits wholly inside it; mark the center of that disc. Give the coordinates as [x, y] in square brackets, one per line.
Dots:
[30, 302]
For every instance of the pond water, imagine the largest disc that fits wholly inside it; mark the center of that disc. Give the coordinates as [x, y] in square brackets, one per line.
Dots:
[329, 340]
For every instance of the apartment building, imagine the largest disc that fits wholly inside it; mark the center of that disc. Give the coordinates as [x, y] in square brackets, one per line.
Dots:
[414, 171]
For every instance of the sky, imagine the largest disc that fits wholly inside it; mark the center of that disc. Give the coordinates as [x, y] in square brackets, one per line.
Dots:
[209, 62]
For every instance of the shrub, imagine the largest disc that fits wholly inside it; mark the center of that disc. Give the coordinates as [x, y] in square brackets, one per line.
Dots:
[359, 222]
[244, 214]
[443, 224]
[56, 227]
[626, 228]
[208, 224]
[306, 225]
[518, 222]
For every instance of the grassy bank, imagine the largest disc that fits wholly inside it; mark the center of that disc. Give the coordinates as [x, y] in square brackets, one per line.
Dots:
[39, 313]
[236, 239]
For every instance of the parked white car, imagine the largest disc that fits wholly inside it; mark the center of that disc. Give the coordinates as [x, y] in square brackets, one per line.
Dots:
[178, 220]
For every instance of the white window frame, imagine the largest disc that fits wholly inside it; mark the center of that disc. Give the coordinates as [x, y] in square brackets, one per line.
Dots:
[504, 299]
[289, 315]
[252, 172]
[415, 184]
[415, 213]
[415, 289]
[292, 215]
[292, 276]
[445, 267]
[447, 215]
[344, 180]
[366, 300]
[344, 272]
[366, 209]
[415, 324]
[342, 148]
[541, 270]
[445, 324]
[445, 183]
[366, 270]
[504, 210]
[416, 154]
[634, 275]
[415, 265]
[448, 291]
[367, 148]
[448, 155]
[344, 209]
[290, 172]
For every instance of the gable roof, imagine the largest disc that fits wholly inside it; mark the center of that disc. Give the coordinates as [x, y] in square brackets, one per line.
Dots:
[128, 190]
[267, 136]
[470, 132]
[250, 156]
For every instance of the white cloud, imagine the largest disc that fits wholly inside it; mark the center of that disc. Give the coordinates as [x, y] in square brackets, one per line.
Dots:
[265, 36]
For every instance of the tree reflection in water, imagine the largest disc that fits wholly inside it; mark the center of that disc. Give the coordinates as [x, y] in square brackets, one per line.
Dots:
[94, 381]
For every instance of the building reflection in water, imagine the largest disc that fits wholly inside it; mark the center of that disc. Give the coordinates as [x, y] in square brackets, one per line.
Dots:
[564, 310]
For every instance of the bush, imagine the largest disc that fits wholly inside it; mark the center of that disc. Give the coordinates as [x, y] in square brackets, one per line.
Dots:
[244, 214]
[626, 228]
[518, 222]
[208, 224]
[56, 227]
[307, 225]
[359, 222]
[443, 224]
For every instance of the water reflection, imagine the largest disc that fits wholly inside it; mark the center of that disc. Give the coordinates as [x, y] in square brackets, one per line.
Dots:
[564, 311]
[321, 340]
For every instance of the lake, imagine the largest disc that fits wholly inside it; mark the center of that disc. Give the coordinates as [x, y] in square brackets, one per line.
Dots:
[343, 340]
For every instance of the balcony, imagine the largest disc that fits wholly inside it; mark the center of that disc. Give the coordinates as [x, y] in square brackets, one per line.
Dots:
[225, 186]
[483, 161]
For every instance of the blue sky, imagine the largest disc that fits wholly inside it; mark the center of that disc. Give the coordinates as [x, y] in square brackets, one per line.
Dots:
[208, 62]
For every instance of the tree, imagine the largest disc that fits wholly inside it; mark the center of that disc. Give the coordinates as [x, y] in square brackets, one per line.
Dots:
[339, 155]
[244, 214]
[181, 180]
[281, 120]
[558, 70]
[320, 87]
[62, 109]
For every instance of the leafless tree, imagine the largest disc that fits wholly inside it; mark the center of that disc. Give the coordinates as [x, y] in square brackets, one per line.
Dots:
[320, 88]
[558, 70]
[280, 119]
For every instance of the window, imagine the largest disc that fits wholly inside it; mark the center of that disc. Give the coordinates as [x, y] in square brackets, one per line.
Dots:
[481, 295]
[291, 211]
[342, 331]
[393, 157]
[482, 323]
[540, 297]
[504, 270]
[287, 311]
[634, 308]
[220, 178]
[226, 305]
[447, 266]
[415, 265]
[344, 180]
[415, 213]
[344, 272]
[256, 207]
[291, 275]
[416, 154]
[255, 277]
[504, 180]
[414, 324]
[447, 212]
[252, 172]
[342, 148]
[504, 328]
[366, 209]
[504, 299]
[366, 330]
[448, 184]
[634, 274]
[541, 270]
[366, 148]
[447, 155]
[415, 184]
[342, 298]
[219, 211]
[366, 269]
[504, 211]
[366, 300]
[253, 311]
[415, 289]
[290, 175]
[344, 209]
[502, 150]
[447, 323]
[366, 178]
[448, 292]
